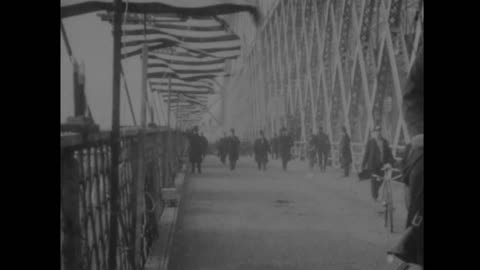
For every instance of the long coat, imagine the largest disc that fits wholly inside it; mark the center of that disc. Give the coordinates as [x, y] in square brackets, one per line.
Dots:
[196, 148]
[261, 149]
[233, 144]
[372, 161]
[322, 142]
[345, 152]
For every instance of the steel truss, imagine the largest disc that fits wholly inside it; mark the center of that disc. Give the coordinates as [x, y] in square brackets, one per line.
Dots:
[333, 63]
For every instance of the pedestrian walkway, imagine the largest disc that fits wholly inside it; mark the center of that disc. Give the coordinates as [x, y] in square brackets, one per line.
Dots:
[250, 219]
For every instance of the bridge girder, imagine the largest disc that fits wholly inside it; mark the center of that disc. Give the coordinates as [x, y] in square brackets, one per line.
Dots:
[332, 64]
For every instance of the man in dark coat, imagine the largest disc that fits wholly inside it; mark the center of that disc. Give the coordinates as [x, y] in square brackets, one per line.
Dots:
[322, 144]
[411, 249]
[195, 150]
[377, 155]
[233, 149]
[285, 143]
[262, 149]
[222, 148]
[345, 152]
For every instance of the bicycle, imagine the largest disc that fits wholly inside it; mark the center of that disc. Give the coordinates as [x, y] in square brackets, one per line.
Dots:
[387, 193]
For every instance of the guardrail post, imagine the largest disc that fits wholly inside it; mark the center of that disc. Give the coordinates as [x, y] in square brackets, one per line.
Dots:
[70, 191]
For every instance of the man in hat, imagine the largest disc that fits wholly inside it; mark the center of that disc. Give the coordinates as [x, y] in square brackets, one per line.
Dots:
[233, 144]
[195, 150]
[261, 149]
[377, 155]
[285, 143]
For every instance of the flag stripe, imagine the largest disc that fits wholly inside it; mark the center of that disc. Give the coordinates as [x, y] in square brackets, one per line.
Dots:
[182, 91]
[166, 81]
[133, 51]
[163, 74]
[184, 60]
[180, 69]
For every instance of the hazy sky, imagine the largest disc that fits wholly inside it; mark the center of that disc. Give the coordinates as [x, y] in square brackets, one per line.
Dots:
[91, 41]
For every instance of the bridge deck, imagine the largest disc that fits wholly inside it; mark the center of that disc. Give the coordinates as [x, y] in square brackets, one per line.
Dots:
[250, 219]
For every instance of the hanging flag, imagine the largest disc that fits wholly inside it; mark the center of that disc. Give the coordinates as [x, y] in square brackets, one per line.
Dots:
[184, 7]
[186, 70]
[204, 36]
[180, 86]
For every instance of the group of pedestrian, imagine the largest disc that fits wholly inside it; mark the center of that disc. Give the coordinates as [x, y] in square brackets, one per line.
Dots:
[197, 150]
[277, 147]
[229, 146]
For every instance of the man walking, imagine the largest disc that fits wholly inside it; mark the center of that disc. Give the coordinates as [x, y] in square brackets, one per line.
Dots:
[262, 149]
[377, 155]
[285, 143]
[345, 152]
[196, 150]
[233, 151]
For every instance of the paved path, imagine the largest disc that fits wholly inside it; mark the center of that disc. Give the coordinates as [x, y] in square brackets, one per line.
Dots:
[249, 219]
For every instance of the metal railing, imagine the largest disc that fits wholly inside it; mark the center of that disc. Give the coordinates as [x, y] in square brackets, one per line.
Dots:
[85, 190]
